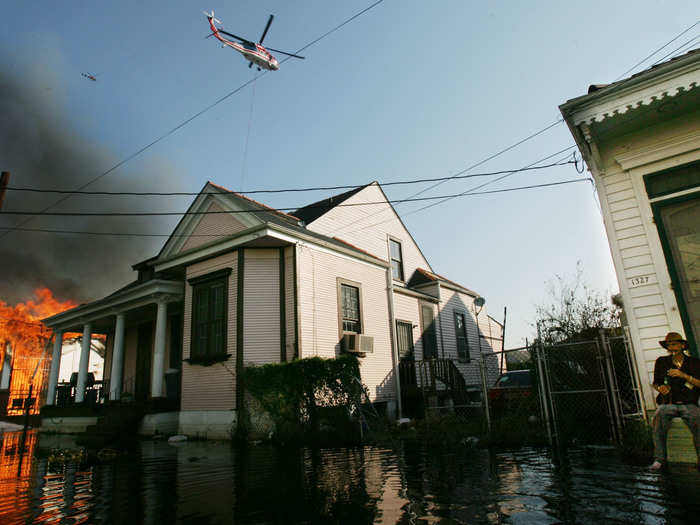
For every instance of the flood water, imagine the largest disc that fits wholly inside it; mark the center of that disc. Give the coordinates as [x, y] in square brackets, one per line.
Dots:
[208, 483]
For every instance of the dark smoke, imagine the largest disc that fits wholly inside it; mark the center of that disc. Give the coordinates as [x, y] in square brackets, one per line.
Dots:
[40, 148]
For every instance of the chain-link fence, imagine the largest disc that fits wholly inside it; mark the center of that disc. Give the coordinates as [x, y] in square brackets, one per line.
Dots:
[581, 392]
[512, 400]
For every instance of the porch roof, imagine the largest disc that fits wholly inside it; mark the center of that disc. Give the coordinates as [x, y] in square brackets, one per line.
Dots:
[130, 297]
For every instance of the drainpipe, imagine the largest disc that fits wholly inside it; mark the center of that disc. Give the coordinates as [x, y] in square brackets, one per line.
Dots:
[394, 344]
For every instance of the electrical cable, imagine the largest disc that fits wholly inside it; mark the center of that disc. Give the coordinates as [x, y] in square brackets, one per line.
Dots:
[288, 190]
[321, 206]
[688, 43]
[656, 51]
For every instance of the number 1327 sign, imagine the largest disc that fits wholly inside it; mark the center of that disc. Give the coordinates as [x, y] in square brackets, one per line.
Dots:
[639, 281]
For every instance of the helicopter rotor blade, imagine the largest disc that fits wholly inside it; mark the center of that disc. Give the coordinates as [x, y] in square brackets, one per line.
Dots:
[269, 21]
[236, 37]
[284, 53]
[211, 15]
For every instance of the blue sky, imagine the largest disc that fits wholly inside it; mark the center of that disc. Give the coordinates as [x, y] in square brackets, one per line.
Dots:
[409, 90]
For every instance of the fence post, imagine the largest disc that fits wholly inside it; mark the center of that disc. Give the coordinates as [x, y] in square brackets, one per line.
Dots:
[485, 393]
[542, 390]
[611, 387]
[634, 372]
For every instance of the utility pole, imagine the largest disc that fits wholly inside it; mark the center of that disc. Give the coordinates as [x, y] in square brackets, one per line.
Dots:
[4, 181]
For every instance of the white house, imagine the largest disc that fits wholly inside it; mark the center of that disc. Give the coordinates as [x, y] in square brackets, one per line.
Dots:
[240, 284]
[641, 140]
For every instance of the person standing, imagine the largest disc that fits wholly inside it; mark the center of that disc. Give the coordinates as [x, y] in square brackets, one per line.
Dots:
[677, 380]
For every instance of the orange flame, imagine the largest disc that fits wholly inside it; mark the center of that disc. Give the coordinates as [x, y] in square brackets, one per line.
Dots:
[28, 339]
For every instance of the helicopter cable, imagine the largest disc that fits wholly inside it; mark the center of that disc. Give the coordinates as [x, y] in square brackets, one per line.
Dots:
[247, 137]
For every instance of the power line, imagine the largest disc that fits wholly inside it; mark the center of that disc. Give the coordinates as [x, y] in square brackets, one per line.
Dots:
[287, 190]
[449, 197]
[688, 43]
[656, 51]
[491, 157]
[216, 212]
[190, 119]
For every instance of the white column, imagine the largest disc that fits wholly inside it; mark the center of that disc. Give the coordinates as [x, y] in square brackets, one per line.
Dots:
[55, 367]
[115, 378]
[6, 368]
[84, 362]
[159, 350]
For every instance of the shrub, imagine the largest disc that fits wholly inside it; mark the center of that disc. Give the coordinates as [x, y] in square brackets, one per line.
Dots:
[310, 399]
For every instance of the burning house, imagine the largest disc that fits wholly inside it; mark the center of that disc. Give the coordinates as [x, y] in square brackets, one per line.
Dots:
[25, 351]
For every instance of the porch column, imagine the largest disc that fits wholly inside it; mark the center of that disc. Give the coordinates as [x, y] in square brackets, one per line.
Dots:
[55, 367]
[159, 350]
[115, 377]
[84, 362]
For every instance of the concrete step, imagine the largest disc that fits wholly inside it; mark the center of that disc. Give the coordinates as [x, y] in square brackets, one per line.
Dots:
[679, 443]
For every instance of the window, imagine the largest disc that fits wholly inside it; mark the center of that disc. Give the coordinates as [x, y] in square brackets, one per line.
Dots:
[350, 308]
[461, 336]
[396, 259]
[209, 316]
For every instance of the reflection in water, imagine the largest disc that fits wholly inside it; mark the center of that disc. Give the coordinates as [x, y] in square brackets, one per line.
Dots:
[211, 483]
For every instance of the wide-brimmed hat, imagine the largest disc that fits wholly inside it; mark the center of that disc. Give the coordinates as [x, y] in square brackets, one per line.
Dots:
[674, 337]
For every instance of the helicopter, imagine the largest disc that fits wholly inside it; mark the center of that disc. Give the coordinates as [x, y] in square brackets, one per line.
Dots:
[254, 52]
[89, 76]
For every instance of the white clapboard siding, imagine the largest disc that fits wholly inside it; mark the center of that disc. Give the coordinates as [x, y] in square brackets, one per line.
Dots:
[212, 225]
[451, 302]
[261, 307]
[367, 227]
[318, 314]
[210, 387]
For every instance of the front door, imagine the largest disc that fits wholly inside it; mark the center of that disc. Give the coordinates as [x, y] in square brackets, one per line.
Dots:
[428, 326]
[144, 348]
[680, 225]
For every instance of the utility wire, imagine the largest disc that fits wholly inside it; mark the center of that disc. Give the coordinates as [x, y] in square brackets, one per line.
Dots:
[688, 43]
[265, 210]
[288, 190]
[190, 119]
[659, 49]
[74, 232]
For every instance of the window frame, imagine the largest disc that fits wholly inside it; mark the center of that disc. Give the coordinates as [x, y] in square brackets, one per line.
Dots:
[340, 282]
[198, 284]
[465, 335]
[402, 273]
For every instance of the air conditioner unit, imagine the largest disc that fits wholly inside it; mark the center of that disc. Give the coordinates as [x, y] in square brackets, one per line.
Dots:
[358, 343]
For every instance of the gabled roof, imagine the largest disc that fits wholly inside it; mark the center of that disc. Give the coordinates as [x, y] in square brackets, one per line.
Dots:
[421, 277]
[236, 202]
[313, 211]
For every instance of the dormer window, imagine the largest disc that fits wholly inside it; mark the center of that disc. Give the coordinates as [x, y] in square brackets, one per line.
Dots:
[396, 260]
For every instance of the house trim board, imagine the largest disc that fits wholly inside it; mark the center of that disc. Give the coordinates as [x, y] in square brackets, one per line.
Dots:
[297, 339]
[283, 310]
[239, 329]
[264, 230]
[666, 80]
[416, 294]
[139, 295]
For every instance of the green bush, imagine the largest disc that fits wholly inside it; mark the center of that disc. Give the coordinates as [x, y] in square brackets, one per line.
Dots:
[310, 399]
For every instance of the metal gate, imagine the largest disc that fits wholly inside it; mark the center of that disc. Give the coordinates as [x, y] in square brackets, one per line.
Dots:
[589, 389]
